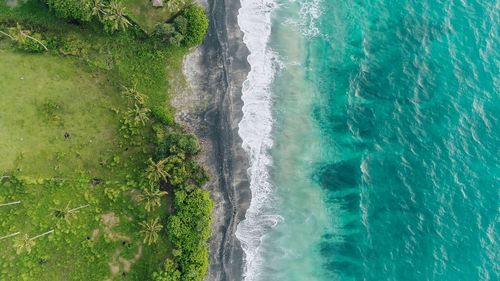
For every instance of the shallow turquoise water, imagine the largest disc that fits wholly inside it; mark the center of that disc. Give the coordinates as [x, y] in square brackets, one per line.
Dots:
[386, 141]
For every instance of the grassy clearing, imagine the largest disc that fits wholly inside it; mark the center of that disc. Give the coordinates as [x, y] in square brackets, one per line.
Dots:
[55, 112]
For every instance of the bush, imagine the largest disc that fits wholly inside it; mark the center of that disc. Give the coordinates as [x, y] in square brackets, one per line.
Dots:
[188, 29]
[197, 25]
[189, 229]
[170, 272]
[181, 24]
[73, 46]
[168, 34]
[176, 168]
[72, 9]
[162, 115]
[198, 175]
[175, 143]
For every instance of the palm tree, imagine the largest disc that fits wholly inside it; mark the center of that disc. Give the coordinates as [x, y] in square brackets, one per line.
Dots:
[24, 243]
[139, 115]
[114, 16]
[156, 171]
[150, 230]
[67, 213]
[134, 95]
[8, 35]
[20, 35]
[152, 198]
[10, 235]
[98, 8]
[10, 203]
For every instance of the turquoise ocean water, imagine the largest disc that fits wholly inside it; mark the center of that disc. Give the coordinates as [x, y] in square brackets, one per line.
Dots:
[373, 132]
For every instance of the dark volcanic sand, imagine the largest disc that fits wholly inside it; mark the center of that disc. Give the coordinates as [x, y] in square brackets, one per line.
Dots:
[212, 109]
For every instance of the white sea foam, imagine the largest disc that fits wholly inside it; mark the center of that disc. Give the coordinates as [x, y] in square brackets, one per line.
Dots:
[256, 125]
[255, 128]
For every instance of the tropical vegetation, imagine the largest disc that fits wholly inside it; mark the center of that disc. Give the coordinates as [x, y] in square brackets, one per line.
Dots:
[97, 180]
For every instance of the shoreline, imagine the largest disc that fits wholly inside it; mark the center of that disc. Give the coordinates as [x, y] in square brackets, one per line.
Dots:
[211, 107]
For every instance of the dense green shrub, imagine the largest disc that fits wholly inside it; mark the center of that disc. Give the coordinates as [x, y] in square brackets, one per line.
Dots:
[175, 143]
[177, 170]
[168, 34]
[74, 46]
[72, 9]
[189, 230]
[197, 25]
[181, 24]
[162, 115]
[170, 272]
[198, 174]
[188, 29]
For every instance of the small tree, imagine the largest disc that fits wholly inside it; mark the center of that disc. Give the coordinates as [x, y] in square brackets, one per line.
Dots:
[151, 198]
[150, 230]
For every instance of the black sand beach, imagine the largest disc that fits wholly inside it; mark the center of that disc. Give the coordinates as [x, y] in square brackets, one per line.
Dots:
[212, 109]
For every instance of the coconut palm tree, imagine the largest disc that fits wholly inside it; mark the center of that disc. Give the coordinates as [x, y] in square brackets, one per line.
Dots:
[25, 243]
[8, 35]
[139, 115]
[151, 198]
[20, 35]
[98, 8]
[157, 171]
[114, 16]
[10, 235]
[135, 96]
[67, 213]
[10, 203]
[150, 230]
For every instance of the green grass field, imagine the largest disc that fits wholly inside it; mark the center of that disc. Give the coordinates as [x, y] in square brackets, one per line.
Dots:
[44, 98]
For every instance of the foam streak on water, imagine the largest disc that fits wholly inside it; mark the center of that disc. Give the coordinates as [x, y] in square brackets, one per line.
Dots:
[255, 129]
